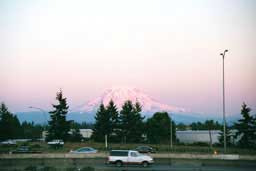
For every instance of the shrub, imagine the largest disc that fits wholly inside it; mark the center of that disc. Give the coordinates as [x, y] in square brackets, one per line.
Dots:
[88, 168]
[48, 168]
[71, 169]
[36, 146]
[25, 143]
[30, 168]
[200, 144]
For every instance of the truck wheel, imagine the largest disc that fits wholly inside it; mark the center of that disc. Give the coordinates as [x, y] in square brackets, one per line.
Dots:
[119, 163]
[145, 164]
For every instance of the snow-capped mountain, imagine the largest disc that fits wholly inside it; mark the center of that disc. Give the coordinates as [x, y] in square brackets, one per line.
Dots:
[86, 112]
[121, 94]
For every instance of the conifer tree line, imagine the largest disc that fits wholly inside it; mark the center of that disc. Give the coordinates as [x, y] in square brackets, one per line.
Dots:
[58, 126]
[125, 126]
[129, 126]
[11, 128]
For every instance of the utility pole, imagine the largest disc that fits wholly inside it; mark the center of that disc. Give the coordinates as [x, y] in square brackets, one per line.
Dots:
[223, 102]
[170, 142]
[171, 132]
[106, 142]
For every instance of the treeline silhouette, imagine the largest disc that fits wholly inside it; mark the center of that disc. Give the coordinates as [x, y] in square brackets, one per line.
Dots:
[125, 126]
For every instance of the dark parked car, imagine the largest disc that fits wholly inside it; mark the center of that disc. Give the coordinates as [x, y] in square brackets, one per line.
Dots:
[9, 143]
[145, 149]
[24, 149]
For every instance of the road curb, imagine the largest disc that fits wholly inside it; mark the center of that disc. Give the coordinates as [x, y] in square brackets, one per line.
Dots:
[159, 155]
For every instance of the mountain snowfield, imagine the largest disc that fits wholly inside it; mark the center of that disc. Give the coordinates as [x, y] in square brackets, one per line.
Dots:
[121, 94]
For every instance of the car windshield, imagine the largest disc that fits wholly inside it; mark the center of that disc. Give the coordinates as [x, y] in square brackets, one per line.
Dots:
[82, 149]
[85, 149]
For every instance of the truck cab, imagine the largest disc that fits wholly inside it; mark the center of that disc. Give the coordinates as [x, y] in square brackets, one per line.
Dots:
[121, 157]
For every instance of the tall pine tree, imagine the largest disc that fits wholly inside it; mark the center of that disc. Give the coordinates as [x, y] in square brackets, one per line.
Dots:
[102, 125]
[246, 128]
[131, 122]
[158, 128]
[228, 136]
[58, 125]
[114, 119]
[138, 128]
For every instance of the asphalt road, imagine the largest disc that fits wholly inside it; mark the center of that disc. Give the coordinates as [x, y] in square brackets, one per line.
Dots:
[173, 168]
[161, 164]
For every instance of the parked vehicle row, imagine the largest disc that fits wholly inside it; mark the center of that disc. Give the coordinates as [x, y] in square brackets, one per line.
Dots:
[24, 149]
[116, 157]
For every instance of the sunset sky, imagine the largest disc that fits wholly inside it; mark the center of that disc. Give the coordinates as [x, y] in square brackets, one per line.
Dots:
[169, 49]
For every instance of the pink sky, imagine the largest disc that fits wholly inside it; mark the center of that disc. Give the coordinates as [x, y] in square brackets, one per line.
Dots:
[170, 49]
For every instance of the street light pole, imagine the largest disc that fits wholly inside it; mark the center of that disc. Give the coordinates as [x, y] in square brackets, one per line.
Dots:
[43, 111]
[170, 143]
[223, 102]
[171, 132]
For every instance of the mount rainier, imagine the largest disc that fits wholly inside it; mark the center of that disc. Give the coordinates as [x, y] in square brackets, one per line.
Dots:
[121, 94]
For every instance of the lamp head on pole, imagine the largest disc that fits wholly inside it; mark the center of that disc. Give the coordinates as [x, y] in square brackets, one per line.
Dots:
[223, 54]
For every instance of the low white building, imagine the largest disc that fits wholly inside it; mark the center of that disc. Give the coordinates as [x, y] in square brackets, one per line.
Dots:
[194, 136]
[189, 137]
[86, 133]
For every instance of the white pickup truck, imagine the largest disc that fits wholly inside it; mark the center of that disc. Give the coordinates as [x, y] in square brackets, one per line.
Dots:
[120, 157]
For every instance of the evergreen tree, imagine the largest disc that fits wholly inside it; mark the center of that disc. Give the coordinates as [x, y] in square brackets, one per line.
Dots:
[228, 136]
[218, 126]
[182, 127]
[131, 122]
[30, 130]
[205, 125]
[138, 126]
[84, 125]
[158, 128]
[102, 125]
[75, 136]
[59, 127]
[126, 120]
[17, 128]
[10, 127]
[114, 119]
[246, 128]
